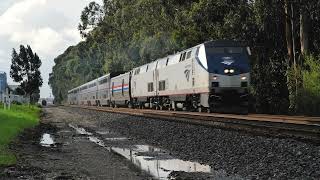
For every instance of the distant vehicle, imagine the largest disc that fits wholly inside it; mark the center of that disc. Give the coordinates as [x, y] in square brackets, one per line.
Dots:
[206, 77]
[44, 103]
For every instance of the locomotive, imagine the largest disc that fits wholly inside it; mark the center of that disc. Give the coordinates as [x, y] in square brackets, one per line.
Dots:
[207, 77]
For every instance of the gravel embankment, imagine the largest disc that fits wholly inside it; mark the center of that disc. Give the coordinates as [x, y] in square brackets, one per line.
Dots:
[253, 157]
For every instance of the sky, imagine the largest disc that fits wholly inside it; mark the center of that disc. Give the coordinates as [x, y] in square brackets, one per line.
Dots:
[48, 26]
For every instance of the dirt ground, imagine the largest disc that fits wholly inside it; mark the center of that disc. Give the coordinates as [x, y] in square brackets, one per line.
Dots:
[72, 156]
[73, 143]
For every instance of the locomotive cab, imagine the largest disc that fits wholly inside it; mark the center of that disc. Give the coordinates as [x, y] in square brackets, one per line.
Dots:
[227, 64]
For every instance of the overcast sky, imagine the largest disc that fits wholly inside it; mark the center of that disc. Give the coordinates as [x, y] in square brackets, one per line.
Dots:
[48, 26]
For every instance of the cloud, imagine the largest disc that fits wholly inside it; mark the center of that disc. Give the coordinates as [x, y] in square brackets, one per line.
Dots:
[48, 26]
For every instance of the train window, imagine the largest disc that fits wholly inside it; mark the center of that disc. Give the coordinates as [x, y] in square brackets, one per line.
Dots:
[167, 62]
[150, 87]
[189, 55]
[103, 81]
[147, 68]
[183, 57]
[162, 85]
[137, 71]
[197, 52]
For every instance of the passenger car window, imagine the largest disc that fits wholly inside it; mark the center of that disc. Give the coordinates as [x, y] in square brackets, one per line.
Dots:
[162, 85]
[189, 55]
[183, 57]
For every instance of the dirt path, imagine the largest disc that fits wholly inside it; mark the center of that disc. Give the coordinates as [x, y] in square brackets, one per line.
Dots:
[72, 156]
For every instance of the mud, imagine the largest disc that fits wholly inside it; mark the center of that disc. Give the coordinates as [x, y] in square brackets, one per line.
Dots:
[53, 150]
[72, 145]
[82, 144]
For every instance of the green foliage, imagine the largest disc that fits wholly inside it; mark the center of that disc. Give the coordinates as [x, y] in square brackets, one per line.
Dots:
[12, 122]
[268, 85]
[135, 32]
[295, 81]
[308, 100]
[25, 70]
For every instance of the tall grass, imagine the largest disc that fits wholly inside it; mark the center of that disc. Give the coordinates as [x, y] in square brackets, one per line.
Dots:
[12, 122]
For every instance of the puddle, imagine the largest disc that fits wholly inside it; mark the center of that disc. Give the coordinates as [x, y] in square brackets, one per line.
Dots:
[47, 140]
[103, 132]
[159, 167]
[116, 139]
[152, 160]
[80, 130]
[97, 141]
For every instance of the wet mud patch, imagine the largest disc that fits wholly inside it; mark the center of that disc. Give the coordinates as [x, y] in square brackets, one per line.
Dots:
[21, 146]
[54, 150]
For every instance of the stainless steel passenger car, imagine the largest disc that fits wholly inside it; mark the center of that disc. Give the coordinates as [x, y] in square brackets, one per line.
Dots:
[120, 90]
[89, 93]
[103, 97]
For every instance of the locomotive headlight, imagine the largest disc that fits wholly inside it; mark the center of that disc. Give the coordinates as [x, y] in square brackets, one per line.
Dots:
[215, 77]
[244, 78]
[231, 71]
[226, 71]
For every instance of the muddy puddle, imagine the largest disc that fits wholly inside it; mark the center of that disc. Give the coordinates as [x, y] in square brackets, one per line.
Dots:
[47, 140]
[155, 161]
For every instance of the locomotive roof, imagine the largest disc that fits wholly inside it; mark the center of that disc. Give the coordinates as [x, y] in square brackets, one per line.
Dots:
[224, 43]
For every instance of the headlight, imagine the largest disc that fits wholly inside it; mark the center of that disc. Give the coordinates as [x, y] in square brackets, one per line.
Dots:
[226, 71]
[231, 71]
[243, 78]
[215, 78]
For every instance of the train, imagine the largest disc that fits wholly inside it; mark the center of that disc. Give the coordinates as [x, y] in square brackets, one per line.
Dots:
[206, 77]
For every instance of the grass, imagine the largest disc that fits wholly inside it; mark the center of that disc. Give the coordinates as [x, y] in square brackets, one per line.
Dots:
[12, 122]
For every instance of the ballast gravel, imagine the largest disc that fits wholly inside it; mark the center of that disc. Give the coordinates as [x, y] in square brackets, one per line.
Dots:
[234, 152]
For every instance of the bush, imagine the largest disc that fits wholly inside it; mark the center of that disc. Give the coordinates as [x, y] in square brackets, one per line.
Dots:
[269, 89]
[308, 101]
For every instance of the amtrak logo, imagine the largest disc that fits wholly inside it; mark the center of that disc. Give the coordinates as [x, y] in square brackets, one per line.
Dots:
[187, 73]
[227, 61]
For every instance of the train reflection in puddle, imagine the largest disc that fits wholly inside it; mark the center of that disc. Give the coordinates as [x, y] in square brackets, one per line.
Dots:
[157, 163]
[154, 161]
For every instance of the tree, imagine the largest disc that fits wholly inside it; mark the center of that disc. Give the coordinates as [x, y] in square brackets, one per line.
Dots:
[25, 70]
[122, 34]
[91, 16]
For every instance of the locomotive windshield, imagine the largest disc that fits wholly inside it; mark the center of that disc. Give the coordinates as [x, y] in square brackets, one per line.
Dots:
[221, 58]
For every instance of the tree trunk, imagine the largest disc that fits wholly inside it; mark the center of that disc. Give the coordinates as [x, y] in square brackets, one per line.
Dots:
[304, 31]
[288, 17]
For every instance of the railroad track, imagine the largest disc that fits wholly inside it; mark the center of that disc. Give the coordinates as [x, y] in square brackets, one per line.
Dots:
[301, 127]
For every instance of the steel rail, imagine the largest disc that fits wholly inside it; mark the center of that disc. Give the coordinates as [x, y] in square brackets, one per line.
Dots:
[301, 127]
